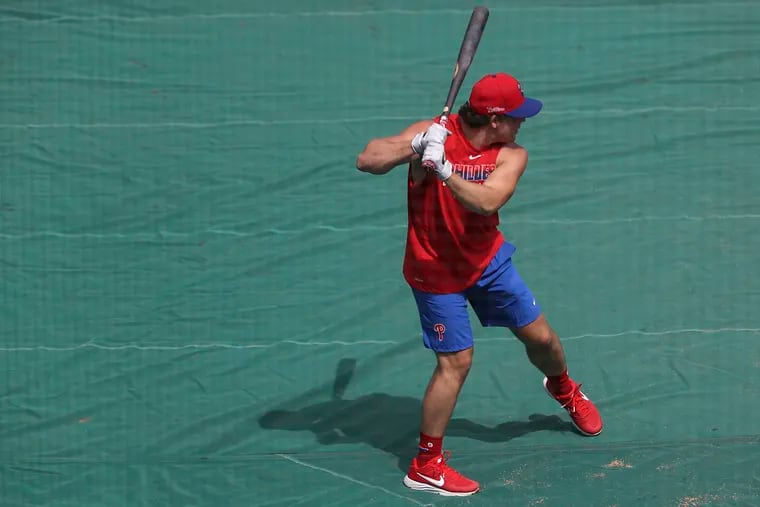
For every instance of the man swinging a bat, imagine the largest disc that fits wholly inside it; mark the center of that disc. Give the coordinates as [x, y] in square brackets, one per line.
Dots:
[455, 255]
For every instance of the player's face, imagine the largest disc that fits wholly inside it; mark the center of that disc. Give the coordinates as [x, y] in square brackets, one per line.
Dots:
[510, 127]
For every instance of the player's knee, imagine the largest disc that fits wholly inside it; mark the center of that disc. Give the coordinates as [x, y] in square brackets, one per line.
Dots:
[545, 338]
[456, 363]
[538, 334]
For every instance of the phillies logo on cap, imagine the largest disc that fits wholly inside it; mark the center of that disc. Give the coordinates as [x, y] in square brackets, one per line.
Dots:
[502, 94]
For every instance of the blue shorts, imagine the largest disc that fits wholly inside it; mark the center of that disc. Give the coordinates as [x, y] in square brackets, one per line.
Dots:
[499, 298]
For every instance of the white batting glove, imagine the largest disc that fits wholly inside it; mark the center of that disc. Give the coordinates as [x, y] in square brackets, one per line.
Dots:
[435, 153]
[434, 133]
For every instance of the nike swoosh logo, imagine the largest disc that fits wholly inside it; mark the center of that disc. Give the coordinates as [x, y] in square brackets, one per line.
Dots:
[473, 157]
[439, 483]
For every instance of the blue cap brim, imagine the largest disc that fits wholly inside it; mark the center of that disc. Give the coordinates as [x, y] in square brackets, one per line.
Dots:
[531, 107]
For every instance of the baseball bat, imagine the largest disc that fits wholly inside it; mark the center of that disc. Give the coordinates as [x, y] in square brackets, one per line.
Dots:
[467, 50]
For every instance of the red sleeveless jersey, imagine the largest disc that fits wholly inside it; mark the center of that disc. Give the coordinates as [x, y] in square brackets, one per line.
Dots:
[447, 245]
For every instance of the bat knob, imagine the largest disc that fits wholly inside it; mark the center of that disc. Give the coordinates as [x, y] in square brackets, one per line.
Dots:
[429, 165]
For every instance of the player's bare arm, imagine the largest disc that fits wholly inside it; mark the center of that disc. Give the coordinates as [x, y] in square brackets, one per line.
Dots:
[488, 197]
[382, 154]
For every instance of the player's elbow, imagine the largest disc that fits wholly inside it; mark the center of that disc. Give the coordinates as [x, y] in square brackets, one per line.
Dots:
[364, 163]
[492, 206]
[367, 164]
[487, 210]
[482, 209]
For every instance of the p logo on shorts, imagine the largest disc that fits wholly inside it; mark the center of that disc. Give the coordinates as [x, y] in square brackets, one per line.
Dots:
[440, 329]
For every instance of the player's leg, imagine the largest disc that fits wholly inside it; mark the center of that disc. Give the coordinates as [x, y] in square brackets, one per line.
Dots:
[443, 390]
[545, 351]
[543, 346]
[501, 298]
[447, 332]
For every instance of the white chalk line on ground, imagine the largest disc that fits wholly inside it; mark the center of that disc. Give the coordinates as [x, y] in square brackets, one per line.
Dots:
[351, 479]
[220, 346]
[191, 346]
[657, 333]
[366, 119]
[56, 18]
[362, 228]
[533, 221]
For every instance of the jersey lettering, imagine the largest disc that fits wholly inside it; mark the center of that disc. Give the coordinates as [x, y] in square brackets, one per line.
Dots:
[447, 245]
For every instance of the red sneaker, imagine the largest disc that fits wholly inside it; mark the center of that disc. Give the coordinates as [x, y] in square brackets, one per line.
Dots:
[437, 477]
[582, 411]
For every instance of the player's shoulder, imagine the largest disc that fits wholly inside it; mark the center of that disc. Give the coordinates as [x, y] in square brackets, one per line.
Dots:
[512, 153]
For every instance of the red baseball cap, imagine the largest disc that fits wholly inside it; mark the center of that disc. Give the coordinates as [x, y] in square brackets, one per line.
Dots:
[502, 94]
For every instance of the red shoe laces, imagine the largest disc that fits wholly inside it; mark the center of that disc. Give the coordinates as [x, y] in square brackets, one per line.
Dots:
[573, 406]
[442, 467]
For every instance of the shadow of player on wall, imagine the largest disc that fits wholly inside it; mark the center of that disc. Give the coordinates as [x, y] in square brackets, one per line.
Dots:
[389, 423]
